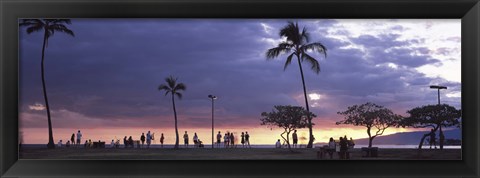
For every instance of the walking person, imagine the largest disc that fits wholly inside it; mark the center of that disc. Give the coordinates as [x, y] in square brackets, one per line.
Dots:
[142, 138]
[295, 138]
[161, 140]
[125, 141]
[345, 147]
[226, 140]
[219, 138]
[72, 139]
[185, 139]
[149, 139]
[247, 139]
[243, 140]
[232, 140]
[338, 148]
[79, 137]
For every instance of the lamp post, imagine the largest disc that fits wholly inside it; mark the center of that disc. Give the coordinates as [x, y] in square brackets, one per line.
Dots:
[213, 98]
[438, 87]
[438, 90]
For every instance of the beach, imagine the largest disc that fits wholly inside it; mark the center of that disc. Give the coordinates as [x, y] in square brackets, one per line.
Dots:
[228, 154]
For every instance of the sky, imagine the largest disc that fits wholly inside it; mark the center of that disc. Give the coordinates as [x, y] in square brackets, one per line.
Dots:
[104, 81]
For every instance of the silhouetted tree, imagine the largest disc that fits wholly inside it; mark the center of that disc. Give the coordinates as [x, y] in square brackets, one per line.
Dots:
[49, 27]
[432, 116]
[287, 117]
[173, 88]
[297, 43]
[371, 116]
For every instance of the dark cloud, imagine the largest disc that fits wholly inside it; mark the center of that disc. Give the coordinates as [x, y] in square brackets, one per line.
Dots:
[110, 71]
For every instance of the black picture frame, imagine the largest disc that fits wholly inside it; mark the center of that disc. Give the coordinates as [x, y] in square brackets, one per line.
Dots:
[466, 10]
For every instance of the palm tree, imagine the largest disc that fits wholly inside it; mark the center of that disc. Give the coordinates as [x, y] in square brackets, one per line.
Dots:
[49, 27]
[297, 43]
[174, 88]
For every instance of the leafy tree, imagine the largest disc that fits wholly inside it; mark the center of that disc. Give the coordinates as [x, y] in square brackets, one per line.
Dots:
[432, 116]
[371, 116]
[49, 27]
[297, 43]
[173, 88]
[287, 117]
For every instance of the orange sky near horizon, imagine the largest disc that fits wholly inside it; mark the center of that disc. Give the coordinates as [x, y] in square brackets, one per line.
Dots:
[258, 135]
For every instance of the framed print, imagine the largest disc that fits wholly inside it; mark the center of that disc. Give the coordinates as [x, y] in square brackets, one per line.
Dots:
[238, 89]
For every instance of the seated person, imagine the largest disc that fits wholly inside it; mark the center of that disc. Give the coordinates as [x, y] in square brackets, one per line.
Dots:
[68, 144]
[60, 144]
[112, 144]
[278, 144]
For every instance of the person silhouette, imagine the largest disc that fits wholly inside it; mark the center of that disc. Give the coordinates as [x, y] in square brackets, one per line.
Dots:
[195, 140]
[79, 137]
[247, 139]
[185, 139]
[161, 140]
[295, 138]
[243, 140]
[278, 144]
[232, 140]
[219, 138]
[149, 139]
[142, 138]
[72, 139]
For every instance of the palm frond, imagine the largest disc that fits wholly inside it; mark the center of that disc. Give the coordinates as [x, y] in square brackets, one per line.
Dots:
[180, 87]
[179, 95]
[29, 22]
[289, 60]
[164, 87]
[313, 62]
[305, 35]
[317, 46]
[291, 32]
[34, 28]
[61, 28]
[171, 82]
[275, 52]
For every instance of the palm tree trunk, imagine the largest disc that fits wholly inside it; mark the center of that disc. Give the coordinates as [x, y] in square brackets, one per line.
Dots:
[176, 127]
[50, 144]
[310, 142]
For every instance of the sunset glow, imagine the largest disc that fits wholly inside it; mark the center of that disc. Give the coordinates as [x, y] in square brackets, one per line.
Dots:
[105, 82]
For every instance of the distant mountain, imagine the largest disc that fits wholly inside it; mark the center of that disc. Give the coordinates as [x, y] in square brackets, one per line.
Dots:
[407, 138]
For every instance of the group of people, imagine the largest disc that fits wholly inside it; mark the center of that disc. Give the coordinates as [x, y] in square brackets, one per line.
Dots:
[72, 142]
[294, 139]
[228, 140]
[144, 137]
[341, 147]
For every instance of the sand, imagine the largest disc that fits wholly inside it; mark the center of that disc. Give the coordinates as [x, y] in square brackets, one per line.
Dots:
[227, 154]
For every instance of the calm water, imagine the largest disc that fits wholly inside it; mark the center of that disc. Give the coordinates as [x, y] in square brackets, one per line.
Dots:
[273, 146]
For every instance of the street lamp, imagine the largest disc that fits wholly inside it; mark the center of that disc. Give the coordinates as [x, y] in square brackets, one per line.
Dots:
[438, 87]
[213, 98]
[438, 90]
